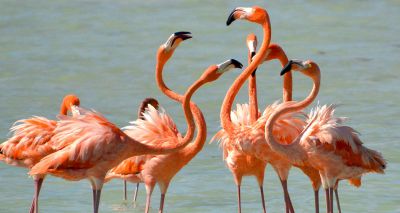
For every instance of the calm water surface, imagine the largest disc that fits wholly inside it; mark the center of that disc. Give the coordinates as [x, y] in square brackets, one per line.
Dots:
[105, 52]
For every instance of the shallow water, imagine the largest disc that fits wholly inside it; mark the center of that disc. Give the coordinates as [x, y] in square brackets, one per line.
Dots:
[105, 53]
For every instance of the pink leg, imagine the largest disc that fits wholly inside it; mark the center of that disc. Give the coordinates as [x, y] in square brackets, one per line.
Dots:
[125, 194]
[162, 203]
[32, 210]
[288, 202]
[327, 200]
[38, 186]
[97, 204]
[149, 191]
[337, 200]
[316, 197]
[94, 191]
[262, 199]
[239, 199]
[136, 192]
[331, 199]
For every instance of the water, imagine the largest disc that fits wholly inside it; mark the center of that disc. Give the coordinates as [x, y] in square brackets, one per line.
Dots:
[105, 53]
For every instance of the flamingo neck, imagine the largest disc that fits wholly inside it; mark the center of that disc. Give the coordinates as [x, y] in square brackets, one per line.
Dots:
[63, 109]
[160, 82]
[291, 151]
[253, 102]
[226, 121]
[287, 78]
[194, 110]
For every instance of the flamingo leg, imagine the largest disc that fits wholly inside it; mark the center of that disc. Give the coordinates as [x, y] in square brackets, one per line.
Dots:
[316, 197]
[38, 186]
[337, 200]
[288, 202]
[32, 210]
[94, 191]
[97, 199]
[262, 199]
[239, 199]
[136, 193]
[125, 194]
[331, 198]
[327, 200]
[162, 203]
[149, 191]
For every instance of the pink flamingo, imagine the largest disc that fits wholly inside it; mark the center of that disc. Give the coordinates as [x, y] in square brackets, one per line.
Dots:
[325, 144]
[239, 163]
[31, 141]
[129, 169]
[292, 125]
[161, 169]
[98, 145]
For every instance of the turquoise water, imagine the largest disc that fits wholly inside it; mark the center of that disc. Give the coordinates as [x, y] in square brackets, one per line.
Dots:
[105, 53]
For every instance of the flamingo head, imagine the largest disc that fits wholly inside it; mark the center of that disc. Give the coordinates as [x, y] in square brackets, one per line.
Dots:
[254, 14]
[71, 103]
[213, 72]
[308, 68]
[251, 42]
[167, 49]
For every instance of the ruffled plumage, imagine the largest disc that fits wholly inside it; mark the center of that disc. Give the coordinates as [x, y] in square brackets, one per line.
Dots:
[31, 141]
[285, 130]
[83, 140]
[155, 128]
[327, 131]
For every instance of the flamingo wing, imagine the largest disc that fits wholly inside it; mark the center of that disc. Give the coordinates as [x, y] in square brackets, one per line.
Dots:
[328, 132]
[156, 128]
[30, 139]
[91, 139]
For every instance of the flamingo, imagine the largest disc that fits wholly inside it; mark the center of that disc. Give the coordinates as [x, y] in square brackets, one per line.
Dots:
[128, 169]
[31, 141]
[97, 145]
[161, 169]
[325, 144]
[239, 135]
[239, 163]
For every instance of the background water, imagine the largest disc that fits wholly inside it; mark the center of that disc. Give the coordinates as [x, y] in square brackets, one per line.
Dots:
[104, 52]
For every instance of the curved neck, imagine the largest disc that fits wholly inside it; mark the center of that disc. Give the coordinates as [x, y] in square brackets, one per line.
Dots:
[287, 78]
[194, 109]
[160, 82]
[253, 102]
[293, 150]
[63, 109]
[225, 116]
[278, 53]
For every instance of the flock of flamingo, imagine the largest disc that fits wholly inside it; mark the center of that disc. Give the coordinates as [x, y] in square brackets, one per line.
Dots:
[152, 151]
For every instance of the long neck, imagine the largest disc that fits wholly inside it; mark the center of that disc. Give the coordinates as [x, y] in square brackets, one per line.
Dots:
[292, 151]
[160, 82]
[197, 114]
[201, 136]
[63, 109]
[287, 78]
[225, 117]
[253, 102]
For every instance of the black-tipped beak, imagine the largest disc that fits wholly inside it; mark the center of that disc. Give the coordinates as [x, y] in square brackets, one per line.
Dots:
[184, 35]
[231, 18]
[289, 67]
[236, 63]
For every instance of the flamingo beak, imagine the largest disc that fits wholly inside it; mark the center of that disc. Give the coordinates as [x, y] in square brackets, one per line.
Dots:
[238, 13]
[171, 40]
[289, 66]
[252, 56]
[182, 35]
[228, 65]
